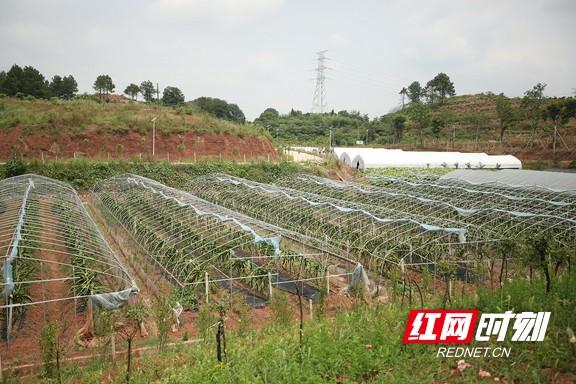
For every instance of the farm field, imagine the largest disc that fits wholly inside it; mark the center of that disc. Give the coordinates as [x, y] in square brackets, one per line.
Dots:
[271, 192]
[286, 276]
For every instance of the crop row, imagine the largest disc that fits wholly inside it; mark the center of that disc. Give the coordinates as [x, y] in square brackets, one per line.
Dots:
[186, 239]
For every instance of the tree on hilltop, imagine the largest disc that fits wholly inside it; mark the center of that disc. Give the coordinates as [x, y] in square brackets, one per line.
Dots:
[132, 90]
[104, 86]
[172, 96]
[414, 92]
[147, 90]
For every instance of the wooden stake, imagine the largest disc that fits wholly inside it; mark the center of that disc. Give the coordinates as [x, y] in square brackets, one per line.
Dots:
[310, 305]
[270, 284]
[206, 287]
[113, 344]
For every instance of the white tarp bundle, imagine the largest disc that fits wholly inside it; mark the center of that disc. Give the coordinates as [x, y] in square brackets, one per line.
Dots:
[362, 158]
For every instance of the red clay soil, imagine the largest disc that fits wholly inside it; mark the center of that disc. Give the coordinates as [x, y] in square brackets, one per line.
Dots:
[24, 346]
[187, 145]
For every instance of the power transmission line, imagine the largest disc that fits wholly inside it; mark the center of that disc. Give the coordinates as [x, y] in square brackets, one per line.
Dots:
[319, 100]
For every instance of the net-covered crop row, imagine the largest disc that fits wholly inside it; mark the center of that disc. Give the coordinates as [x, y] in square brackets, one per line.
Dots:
[511, 212]
[372, 235]
[52, 252]
[483, 222]
[187, 237]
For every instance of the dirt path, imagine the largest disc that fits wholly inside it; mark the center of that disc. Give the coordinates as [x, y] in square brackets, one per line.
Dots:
[24, 345]
[303, 157]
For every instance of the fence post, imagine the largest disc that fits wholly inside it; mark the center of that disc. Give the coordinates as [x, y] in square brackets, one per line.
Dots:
[244, 157]
[206, 287]
[113, 344]
[327, 282]
[194, 156]
[9, 325]
[270, 284]
[310, 304]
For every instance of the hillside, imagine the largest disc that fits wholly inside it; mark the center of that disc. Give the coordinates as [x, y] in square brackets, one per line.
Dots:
[471, 123]
[53, 128]
[461, 123]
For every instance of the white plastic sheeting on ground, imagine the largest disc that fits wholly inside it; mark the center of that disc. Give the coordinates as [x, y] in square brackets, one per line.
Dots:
[362, 158]
[553, 181]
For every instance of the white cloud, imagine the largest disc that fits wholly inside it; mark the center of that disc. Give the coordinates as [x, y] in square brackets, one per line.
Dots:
[226, 12]
[336, 39]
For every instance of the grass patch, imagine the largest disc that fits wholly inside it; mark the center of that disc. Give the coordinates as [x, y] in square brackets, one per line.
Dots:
[82, 174]
[61, 117]
[364, 346]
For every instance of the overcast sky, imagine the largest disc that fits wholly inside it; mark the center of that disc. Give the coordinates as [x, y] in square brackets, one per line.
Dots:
[261, 53]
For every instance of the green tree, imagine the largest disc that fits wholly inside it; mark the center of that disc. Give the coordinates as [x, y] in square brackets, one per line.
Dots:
[2, 80]
[559, 113]
[414, 92]
[12, 81]
[438, 124]
[104, 86]
[532, 105]
[28, 81]
[147, 90]
[269, 114]
[429, 93]
[132, 90]
[33, 83]
[164, 316]
[220, 108]
[63, 87]
[507, 115]
[478, 121]
[56, 86]
[420, 115]
[172, 96]
[399, 123]
[69, 87]
[403, 92]
[439, 88]
[268, 118]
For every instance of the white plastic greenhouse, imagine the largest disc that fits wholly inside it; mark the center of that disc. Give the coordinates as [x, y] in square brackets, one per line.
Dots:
[362, 158]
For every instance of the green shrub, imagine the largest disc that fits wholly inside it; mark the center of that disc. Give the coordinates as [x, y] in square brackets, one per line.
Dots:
[14, 167]
[48, 348]
[164, 316]
[281, 311]
[205, 321]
